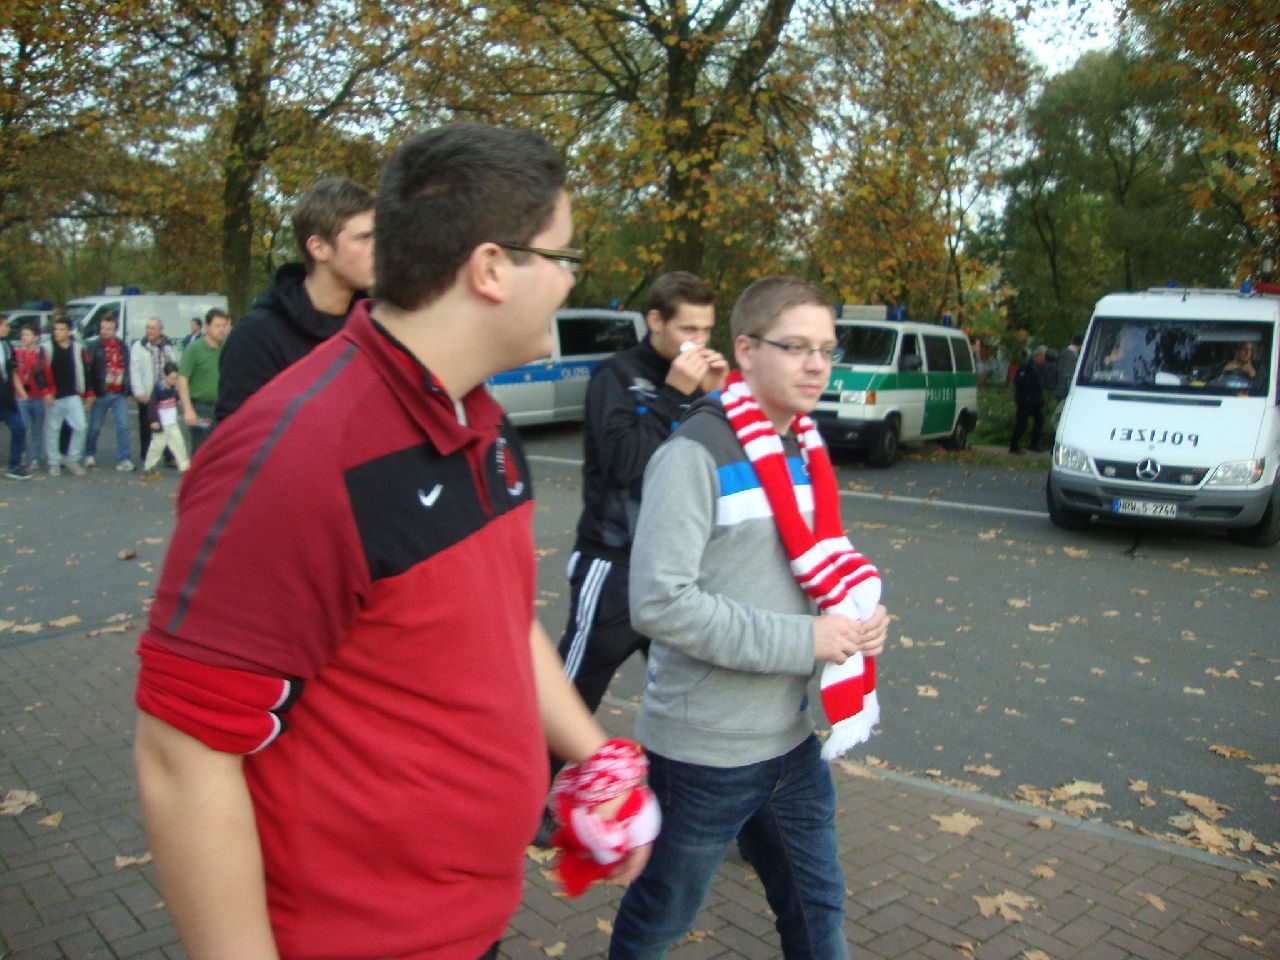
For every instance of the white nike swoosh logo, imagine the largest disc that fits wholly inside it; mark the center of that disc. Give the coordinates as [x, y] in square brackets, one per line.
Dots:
[429, 499]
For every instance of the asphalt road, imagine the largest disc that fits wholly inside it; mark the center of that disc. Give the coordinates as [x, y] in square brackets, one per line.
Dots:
[1020, 655]
[1025, 655]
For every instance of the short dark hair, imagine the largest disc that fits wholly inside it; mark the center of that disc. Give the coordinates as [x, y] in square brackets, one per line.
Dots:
[324, 209]
[672, 289]
[211, 313]
[766, 300]
[169, 367]
[448, 190]
[60, 319]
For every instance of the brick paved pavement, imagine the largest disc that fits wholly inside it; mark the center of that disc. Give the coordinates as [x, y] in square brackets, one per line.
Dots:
[71, 887]
[1095, 892]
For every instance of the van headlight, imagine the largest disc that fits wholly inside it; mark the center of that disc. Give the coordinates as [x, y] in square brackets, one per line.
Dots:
[858, 397]
[1238, 473]
[1072, 459]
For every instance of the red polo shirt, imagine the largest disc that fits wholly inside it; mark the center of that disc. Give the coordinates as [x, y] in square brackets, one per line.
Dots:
[345, 529]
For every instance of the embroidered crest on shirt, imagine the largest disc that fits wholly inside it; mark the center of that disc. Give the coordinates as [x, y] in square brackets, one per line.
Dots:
[508, 468]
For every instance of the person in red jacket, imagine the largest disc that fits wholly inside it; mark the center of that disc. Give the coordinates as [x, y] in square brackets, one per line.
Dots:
[109, 377]
[32, 374]
[345, 697]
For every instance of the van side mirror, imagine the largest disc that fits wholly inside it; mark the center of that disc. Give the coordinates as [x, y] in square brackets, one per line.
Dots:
[909, 362]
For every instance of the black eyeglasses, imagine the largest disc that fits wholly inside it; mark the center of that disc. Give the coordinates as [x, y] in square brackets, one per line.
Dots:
[567, 257]
[828, 354]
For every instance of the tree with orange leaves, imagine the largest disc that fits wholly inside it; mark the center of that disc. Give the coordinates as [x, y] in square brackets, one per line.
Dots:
[1225, 53]
[684, 124]
[926, 103]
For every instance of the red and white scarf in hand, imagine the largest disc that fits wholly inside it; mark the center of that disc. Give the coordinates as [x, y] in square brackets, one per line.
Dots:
[591, 845]
[825, 564]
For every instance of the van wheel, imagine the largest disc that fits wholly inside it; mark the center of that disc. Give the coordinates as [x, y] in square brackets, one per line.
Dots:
[1061, 517]
[959, 439]
[886, 450]
[1266, 532]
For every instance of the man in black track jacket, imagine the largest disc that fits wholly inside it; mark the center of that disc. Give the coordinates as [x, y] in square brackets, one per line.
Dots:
[634, 401]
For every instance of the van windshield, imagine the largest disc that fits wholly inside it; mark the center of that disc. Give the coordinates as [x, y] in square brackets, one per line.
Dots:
[1178, 356]
[866, 345]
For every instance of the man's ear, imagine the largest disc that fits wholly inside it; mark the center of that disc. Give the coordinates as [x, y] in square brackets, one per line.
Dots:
[318, 248]
[487, 272]
[742, 352]
[653, 320]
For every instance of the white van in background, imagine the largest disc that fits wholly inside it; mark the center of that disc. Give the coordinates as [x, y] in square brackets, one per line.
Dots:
[555, 388]
[1173, 417]
[38, 317]
[133, 310]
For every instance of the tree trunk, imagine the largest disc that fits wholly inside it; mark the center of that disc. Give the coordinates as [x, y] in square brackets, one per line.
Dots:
[237, 238]
[687, 246]
[245, 158]
[688, 135]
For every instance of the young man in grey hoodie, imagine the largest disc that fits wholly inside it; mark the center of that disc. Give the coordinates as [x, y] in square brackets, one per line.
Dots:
[735, 642]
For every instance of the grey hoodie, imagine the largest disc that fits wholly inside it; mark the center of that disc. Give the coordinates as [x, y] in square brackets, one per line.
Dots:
[732, 631]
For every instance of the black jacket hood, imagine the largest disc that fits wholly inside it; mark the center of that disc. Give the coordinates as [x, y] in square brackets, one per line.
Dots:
[286, 299]
[282, 327]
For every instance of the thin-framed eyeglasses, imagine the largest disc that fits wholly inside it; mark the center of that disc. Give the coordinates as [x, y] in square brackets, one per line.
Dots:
[568, 258]
[828, 354]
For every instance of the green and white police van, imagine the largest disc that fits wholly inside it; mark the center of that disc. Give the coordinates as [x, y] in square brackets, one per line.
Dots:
[1173, 416]
[895, 381]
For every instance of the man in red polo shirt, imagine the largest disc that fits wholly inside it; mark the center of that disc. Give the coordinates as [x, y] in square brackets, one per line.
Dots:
[354, 558]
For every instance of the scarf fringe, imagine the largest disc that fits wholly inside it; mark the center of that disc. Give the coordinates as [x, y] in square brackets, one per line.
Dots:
[853, 731]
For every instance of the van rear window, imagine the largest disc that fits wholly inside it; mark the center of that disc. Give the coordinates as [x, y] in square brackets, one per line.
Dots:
[605, 333]
[938, 354]
[1168, 356]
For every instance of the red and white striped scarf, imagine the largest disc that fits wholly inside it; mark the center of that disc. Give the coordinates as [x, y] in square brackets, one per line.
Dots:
[825, 564]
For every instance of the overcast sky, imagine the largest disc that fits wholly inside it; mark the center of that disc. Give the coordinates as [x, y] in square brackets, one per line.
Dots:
[1059, 31]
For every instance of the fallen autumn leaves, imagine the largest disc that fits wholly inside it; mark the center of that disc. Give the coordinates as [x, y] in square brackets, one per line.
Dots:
[1083, 799]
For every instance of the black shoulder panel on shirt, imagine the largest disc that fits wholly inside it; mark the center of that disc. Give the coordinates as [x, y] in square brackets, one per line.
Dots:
[414, 503]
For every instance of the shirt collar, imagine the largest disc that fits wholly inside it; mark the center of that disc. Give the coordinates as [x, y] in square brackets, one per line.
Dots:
[419, 390]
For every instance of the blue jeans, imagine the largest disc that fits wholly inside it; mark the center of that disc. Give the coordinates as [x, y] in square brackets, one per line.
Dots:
[17, 434]
[118, 406]
[199, 434]
[783, 813]
[33, 413]
[70, 409]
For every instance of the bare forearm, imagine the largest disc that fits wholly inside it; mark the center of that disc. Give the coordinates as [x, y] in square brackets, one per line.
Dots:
[204, 841]
[184, 395]
[572, 732]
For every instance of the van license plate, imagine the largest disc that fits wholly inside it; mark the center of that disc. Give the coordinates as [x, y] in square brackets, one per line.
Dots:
[1144, 508]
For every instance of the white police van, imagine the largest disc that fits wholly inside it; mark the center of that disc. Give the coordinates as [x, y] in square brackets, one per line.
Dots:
[38, 315]
[897, 380]
[554, 388]
[1172, 417]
